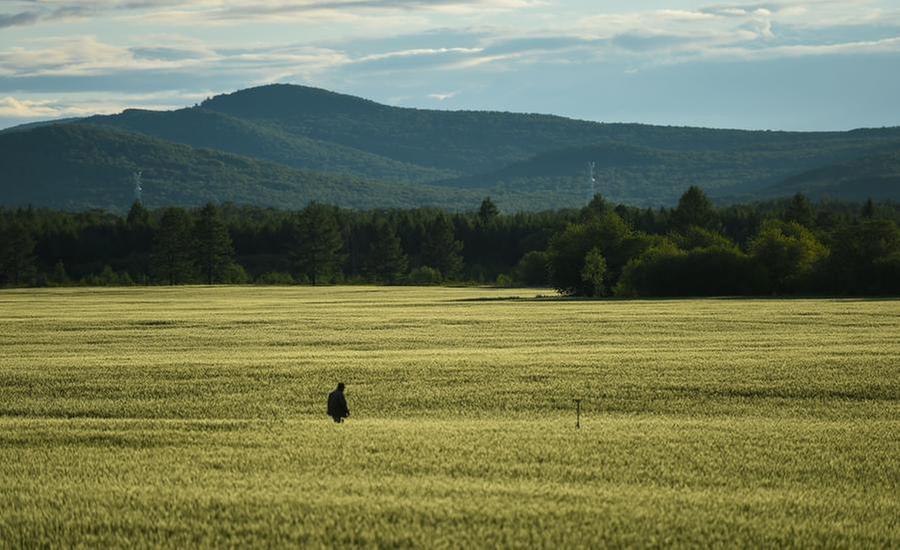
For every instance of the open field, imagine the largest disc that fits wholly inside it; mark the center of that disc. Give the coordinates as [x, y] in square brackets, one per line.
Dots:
[195, 416]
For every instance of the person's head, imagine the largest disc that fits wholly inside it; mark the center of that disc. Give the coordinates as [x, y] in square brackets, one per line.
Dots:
[340, 386]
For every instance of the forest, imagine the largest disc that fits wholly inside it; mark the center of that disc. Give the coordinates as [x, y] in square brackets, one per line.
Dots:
[784, 247]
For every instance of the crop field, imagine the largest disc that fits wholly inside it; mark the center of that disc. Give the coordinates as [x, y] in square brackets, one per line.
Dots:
[193, 416]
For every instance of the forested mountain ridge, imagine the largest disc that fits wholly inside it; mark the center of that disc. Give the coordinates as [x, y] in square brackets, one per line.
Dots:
[452, 158]
[633, 173]
[474, 142]
[876, 177]
[75, 166]
[199, 127]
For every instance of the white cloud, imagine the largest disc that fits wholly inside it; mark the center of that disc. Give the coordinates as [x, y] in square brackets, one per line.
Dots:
[11, 107]
[442, 96]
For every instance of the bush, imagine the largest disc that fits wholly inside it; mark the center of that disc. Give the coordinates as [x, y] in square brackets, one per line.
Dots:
[425, 276]
[234, 274]
[665, 270]
[532, 269]
[505, 281]
[275, 278]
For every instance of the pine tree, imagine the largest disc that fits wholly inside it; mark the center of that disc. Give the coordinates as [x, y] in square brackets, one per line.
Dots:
[385, 260]
[868, 210]
[317, 242]
[16, 252]
[59, 275]
[488, 212]
[215, 252]
[138, 216]
[172, 258]
[694, 208]
[800, 211]
[441, 250]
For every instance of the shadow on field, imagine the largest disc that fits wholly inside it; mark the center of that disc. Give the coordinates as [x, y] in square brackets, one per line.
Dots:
[616, 299]
[870, 393]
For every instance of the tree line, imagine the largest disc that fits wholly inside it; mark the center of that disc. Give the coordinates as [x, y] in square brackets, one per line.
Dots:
[694, 249]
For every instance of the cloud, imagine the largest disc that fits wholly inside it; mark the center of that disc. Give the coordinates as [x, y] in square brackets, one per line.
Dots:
[411, 47]
[442, 96]
[11, 107]
[212, 12]
[15, 19]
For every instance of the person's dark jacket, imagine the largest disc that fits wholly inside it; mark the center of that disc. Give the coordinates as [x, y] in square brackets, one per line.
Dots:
[337, 405]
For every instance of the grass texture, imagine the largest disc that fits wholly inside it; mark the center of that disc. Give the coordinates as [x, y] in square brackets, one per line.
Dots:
[194, 417]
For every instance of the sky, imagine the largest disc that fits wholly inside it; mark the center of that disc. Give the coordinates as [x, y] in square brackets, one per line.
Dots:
[792, 65]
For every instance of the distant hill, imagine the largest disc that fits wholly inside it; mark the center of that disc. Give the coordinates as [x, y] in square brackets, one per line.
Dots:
[438, 158]
[876, 177]
[631, 174]
[475, 142]
[200, 127]
[78, 166]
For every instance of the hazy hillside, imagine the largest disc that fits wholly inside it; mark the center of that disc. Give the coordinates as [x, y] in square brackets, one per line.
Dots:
[345, 145]
[477, 142]
[645, 176]
[77, 166]
[876, 177]
[200, 127]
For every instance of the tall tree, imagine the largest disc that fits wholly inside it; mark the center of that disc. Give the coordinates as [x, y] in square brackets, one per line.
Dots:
[488, 211]
[788, 252]
[215, 252]
[441, 250]
[16, 252]
[868, 209]
[694, 208]
[317, 242]
[172, 257]
[137, 215]
[386, 260]
[799, 210]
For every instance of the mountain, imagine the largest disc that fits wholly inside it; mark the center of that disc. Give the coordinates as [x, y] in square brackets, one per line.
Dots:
[472, 143]
[631, 174]
[876, 177]
[77, 166]
[199, 127]
[290, 134]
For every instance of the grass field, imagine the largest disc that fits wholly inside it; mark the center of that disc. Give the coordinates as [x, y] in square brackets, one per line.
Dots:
[195, 417]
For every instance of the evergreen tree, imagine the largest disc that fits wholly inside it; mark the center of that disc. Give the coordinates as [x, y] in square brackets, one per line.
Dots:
[868, 209]
[215, 253]
[138, 216]
[488, 212]
[317, 242]
[59, 275]
[172, 258]
[694, 208]
[441, 250]
[16, 252]
[800, 211]
[386, 260]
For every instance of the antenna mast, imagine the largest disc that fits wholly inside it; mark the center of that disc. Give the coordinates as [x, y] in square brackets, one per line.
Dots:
[138, 188]
[591, 182]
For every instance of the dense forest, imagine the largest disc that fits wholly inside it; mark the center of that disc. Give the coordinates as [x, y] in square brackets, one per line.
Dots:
[782, 247]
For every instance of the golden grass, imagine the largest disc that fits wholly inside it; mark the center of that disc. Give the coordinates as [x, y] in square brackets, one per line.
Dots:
[195, 417]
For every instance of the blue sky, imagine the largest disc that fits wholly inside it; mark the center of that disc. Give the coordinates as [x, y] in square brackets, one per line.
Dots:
[797, 65]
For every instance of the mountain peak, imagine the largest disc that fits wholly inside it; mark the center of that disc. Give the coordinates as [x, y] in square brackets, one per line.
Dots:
[279, 100]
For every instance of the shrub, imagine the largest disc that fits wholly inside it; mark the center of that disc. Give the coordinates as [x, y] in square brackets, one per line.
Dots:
[275, 278]
[425, 276]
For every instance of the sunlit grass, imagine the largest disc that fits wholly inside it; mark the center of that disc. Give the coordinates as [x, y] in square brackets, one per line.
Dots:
[195, 416]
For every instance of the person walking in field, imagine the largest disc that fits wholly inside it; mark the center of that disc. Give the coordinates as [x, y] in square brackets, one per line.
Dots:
[337, 404]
